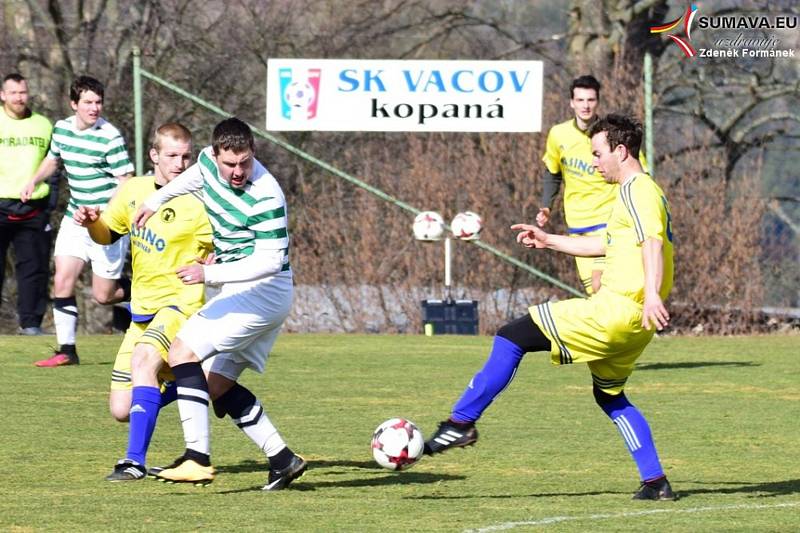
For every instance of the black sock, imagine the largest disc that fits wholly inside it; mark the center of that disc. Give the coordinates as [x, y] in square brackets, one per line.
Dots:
[69, 349]
[235, 402]
[281, 460]
[199, 458]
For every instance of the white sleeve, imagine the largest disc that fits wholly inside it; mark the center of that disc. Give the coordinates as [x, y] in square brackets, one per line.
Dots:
[262, 263]
[189, 181]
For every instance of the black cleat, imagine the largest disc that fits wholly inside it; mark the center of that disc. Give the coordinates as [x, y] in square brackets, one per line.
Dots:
[450, 435]
[280, 479]
[658, 489]
[127, 470]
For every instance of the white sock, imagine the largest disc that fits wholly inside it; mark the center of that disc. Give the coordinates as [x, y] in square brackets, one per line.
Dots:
[65, 317]
[257, 425]
[193, 410]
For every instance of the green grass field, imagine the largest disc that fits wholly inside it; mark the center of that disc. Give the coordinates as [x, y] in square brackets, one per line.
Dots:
[724, 413]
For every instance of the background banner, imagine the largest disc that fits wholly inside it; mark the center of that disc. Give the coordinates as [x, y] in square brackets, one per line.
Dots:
[397, 95]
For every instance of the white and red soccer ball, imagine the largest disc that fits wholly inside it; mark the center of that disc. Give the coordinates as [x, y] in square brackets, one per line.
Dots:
[428, 226]
[397, 444]
[466, 226]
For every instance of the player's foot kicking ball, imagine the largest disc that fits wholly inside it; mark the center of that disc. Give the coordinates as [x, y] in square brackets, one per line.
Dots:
[451, 435]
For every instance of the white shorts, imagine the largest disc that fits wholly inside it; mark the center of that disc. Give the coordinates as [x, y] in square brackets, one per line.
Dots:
[240, 324]
[74, 240]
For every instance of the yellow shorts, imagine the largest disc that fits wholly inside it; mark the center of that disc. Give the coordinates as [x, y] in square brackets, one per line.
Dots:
[586, 265]
[604, 331]
[159, 333]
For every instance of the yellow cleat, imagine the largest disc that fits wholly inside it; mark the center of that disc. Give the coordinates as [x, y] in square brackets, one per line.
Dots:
[188, 471]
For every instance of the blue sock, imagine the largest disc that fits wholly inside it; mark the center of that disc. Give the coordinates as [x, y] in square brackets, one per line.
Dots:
[145, 404]
[493, 378]
[636, 432]
[170, 393]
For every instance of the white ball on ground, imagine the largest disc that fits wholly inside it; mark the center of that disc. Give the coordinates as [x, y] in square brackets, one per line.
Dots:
[397, 444]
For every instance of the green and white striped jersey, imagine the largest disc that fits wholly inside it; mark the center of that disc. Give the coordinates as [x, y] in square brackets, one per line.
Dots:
[244, 218]
[93, 158]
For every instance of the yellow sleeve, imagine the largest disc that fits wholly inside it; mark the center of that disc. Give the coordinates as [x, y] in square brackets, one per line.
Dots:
[552, 153]
[647, 209]
[117, 214]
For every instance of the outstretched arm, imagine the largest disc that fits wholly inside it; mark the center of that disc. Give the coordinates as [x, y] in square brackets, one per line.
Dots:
[89, 218]
[531, 236]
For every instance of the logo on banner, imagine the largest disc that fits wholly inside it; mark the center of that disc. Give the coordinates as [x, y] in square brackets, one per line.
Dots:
[683, 43]
[299, 92]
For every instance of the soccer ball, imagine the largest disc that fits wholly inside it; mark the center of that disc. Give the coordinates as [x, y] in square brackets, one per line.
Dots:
[397, 444]
[428, 226]
[466, 226]
[300, 94]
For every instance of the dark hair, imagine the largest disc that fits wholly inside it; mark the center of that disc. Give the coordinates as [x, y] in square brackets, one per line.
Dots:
[620, 129]
[83, 84]
[14, 76]
[234, 135]
[584, 82]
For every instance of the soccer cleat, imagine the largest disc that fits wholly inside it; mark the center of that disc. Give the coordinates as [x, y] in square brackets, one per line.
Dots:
[154, 471]
[127, 470]
[280, 479]
[658, 489]
[31, 331]
[187, 471]
[450, 435]
[58, 359]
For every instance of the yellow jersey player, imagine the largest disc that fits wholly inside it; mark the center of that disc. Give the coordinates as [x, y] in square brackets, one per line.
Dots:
[587, 197]
[177, 235]
[237, 327]
[609, 330]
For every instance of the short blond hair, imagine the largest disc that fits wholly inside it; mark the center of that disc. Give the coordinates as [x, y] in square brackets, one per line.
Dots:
[175, 131]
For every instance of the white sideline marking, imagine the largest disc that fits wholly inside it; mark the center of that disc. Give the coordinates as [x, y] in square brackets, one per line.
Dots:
[557, 519]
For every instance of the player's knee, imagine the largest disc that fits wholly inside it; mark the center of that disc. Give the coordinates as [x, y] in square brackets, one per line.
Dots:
[605, 400]
[526, 334]
[120, 405]
[180, 353]
[506, 331]
[62, 284]
[102, 296]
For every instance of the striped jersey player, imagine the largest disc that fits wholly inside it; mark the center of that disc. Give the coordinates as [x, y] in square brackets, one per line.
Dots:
[249, 285]
[95, 162]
